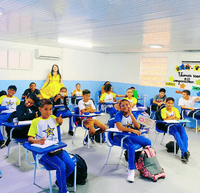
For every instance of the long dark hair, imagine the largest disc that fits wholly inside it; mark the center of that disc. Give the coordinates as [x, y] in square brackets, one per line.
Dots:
[58, 72]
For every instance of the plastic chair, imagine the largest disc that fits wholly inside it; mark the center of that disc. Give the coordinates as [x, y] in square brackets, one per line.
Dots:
[184, 116]
[157, 131]
[151, 108]
[76, 124]
[19, 141]
[111, 142]
[37, 154]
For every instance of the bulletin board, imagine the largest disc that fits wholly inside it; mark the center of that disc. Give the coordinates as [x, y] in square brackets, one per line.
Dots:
[186, 76]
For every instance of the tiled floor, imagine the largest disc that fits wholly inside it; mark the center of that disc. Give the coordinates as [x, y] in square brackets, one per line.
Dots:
[180, 177]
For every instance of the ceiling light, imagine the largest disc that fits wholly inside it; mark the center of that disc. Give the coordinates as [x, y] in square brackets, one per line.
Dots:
[1, 11]
[75, 42]
[155, 46]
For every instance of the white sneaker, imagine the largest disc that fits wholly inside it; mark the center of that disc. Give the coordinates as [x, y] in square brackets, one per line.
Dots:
[131, 175]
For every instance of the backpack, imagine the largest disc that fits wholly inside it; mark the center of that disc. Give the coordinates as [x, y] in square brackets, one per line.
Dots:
[81, 175]
[161, 126]
[148, 165]
[97, 137]
[170, 147]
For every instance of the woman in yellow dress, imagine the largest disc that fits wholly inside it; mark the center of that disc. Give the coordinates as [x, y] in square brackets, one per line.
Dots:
[53, 83]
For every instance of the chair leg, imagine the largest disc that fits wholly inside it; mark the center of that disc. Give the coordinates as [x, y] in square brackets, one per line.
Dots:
[8, 149]
[88, 138]
[162, 139]
[196, 125]
[35, 167]
[155, 139]
[101, 138]
[108, 155]
[19, 154]
[50, 183]
[75, 172]
[174, 147]
[74, 135]
[121, 154]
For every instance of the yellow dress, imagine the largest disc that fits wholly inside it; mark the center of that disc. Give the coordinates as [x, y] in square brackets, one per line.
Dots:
[52, 88]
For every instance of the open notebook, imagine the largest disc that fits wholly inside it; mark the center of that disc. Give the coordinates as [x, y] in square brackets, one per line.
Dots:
[47, 144]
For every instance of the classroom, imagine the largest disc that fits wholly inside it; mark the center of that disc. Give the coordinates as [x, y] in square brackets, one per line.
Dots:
[143, 44]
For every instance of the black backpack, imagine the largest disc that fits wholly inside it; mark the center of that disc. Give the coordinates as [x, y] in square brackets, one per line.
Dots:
[97, 137]
[81, 176]
[170, 147]
[161, 126]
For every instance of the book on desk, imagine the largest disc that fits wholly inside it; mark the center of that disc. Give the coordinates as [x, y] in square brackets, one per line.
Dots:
[46, 144]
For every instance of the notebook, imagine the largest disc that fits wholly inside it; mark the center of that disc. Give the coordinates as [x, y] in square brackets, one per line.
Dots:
[47, 144]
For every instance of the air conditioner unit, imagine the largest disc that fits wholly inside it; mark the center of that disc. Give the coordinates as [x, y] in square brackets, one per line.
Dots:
[48, 54]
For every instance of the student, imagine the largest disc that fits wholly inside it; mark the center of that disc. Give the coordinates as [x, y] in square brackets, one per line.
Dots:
[109, 96]
[62, 99]
[187, 103]
[131, 99]
[87, 105]
[102, 88]
[10, 102]
[27, 110]
[77, 92]
[45, 127]
[159, 99]
[31, 89]
[126, 122]
[178, 131]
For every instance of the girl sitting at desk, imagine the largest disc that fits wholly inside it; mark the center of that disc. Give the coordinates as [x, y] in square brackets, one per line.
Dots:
[178, 131]
[109, 97]
[126, 122]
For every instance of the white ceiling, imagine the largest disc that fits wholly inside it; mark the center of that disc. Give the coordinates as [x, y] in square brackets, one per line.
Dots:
[111, 25]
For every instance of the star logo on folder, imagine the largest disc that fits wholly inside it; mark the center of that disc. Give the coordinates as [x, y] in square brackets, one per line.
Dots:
[49, 131]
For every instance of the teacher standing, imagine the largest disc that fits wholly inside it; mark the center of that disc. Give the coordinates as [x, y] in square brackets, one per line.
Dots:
[53, 83]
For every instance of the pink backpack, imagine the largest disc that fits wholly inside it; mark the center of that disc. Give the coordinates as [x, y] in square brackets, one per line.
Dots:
[148, 165]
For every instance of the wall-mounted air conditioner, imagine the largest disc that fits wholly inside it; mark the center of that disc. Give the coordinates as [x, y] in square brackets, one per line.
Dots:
[48, 54]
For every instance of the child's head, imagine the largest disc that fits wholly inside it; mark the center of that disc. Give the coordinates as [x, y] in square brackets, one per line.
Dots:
[133, 88]
[162, 92]
[107, 82]
[108, 87]
[30, 100]
[186, 94]
[11, 90]
[86, 95]
[170, 102]
[45, 108]
[78, 86]
[32, 86]
[129, 93]
[63, 91]
[124, 105]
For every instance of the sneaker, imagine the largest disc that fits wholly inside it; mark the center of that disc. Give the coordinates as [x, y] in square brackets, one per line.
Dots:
[184, 159]
[3, 144]
[70, 132]
[131, 175]
[85, 141]
[92, 139]
[187, 154]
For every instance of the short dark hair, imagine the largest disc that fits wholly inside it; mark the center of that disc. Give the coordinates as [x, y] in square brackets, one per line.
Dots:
[122, 101]
[187, 92]
[45, 102]
[170, 99]
[32, 83]
[86, 91]
[33, 97]
[162, 90]
[63, 88]
[132, 87]
[78, 84]
[107, 87]
[13, 87]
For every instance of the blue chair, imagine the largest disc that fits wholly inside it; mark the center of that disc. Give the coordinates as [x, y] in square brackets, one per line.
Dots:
[36, 151]
[111, 142]
[19, 141]
[184, 116]
[152, 112]
[80, 124]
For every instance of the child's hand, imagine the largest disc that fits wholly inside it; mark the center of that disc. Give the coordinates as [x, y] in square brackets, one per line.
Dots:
[137, 132]
[59, 120]
[42, 141]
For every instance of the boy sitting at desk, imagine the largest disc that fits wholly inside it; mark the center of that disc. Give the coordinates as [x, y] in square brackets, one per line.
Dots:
[126, 122]
[159, 99]
[87, 105]
[45, 128]
[10, 101]
[31, 89]
[62, 99]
